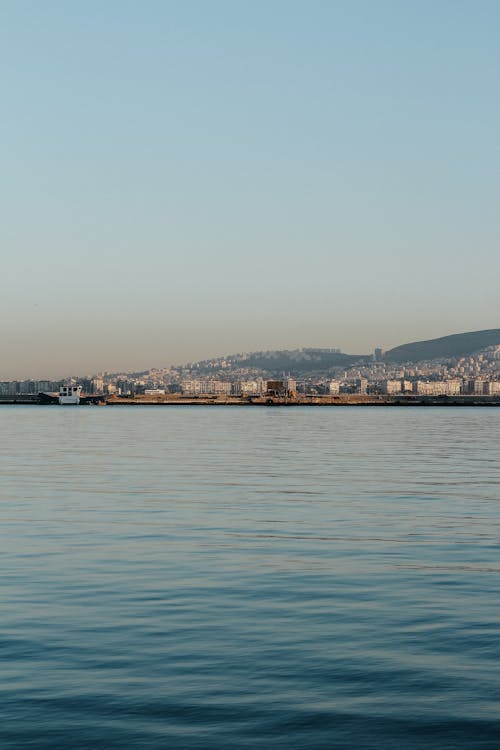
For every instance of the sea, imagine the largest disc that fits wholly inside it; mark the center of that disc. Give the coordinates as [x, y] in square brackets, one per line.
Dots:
[210, 577]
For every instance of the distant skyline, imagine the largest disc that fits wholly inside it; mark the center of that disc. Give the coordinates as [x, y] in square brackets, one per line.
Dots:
[182, 181]
[485, 341]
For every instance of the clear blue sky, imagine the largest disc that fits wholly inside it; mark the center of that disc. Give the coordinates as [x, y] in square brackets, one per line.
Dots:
[184, 179]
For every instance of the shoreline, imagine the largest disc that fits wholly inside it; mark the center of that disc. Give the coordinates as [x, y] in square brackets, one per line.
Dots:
[268, 401]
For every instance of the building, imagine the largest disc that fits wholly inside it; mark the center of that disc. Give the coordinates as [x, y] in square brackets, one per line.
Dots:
[276, 388]
[98, 385]
[361, 385]
[282, 388]
[475, 386]
[9, 387]
[437, 388]
[334, 388]
[392, 386]
[206, 387]
[491, 388]
[246, 388]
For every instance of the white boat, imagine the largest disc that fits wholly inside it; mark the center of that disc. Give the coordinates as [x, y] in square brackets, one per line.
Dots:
[69, 395]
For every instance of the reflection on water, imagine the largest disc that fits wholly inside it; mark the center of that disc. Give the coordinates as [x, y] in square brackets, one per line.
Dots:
[242, 578]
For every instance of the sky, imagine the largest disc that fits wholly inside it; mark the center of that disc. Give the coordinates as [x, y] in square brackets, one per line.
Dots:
[189, 179]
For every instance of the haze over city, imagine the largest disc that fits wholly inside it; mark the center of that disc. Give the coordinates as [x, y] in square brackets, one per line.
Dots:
[186, 180]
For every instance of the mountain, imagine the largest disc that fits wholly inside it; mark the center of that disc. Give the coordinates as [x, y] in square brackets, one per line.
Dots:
[457, 345]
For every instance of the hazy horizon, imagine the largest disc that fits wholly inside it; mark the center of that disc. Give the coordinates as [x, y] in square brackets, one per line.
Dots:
[186, 181]
[53, 374]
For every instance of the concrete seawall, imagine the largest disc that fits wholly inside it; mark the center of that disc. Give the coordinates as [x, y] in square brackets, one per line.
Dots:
[343, 400]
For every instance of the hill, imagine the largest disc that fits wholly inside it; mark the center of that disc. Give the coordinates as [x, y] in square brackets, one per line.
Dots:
[457, 345]
[296, 362]
[305, 360]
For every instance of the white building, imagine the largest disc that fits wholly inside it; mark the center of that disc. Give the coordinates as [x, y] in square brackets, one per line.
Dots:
[391, 386]
[437, 388]
[205, 387]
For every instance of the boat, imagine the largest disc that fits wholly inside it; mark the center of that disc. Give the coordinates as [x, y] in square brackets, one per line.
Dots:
[69, 395]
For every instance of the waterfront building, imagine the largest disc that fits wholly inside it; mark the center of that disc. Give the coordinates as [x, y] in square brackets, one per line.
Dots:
[98, 385]
[246, 388]
[261, 385]
[391, 386]
[437, 388]
[9, 387]
[475, 386]
[276, 388]
[361, 385]
[206, 387]
[491, 388]
[334, 388]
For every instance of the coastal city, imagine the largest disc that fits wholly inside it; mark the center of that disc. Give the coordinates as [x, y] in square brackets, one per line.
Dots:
[306, 372]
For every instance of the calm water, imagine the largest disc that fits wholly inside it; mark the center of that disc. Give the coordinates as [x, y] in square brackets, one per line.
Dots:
[249, 578]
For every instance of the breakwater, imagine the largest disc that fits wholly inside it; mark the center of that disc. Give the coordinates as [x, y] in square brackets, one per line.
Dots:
[300, 400]
[343, 400]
